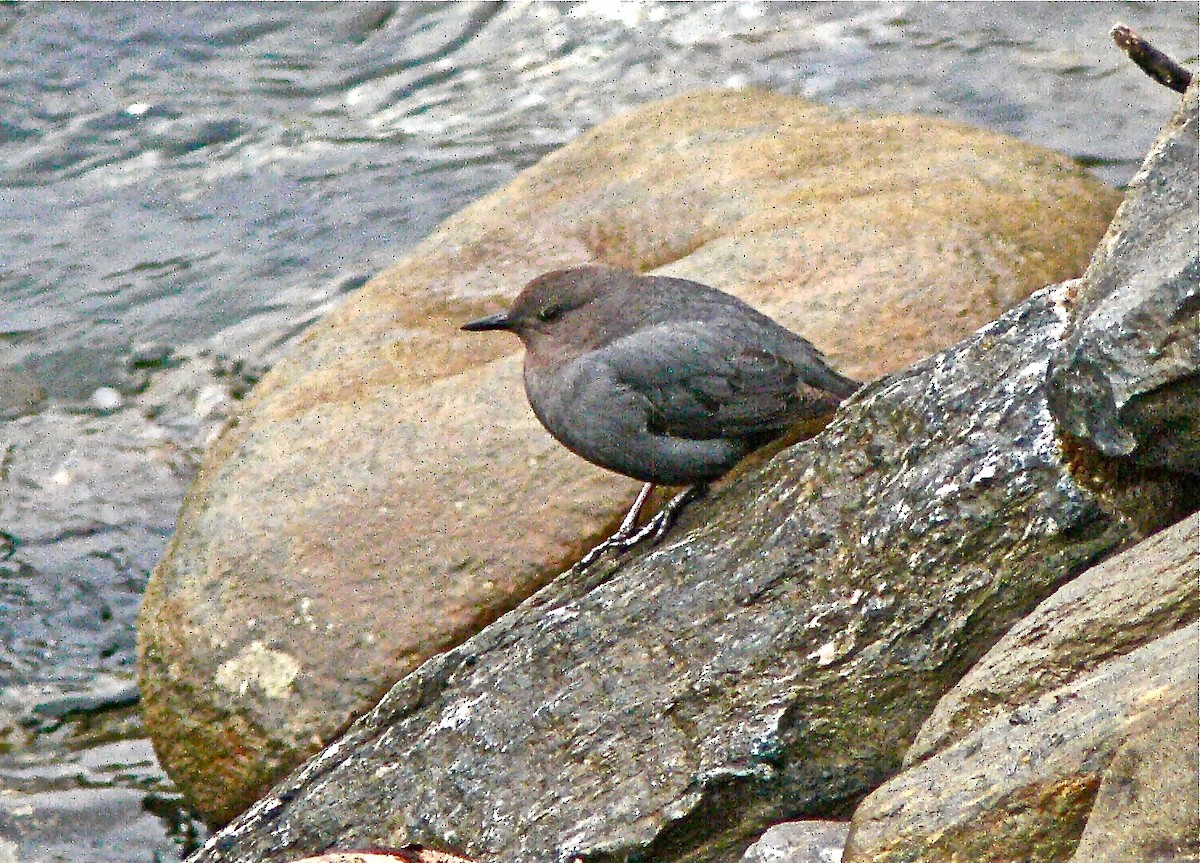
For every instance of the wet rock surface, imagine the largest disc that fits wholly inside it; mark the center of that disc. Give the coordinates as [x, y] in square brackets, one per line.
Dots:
[387, 492]
[771, 660]
[1127, 378]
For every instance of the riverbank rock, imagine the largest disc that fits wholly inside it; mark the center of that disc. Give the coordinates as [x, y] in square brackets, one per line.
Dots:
[1146, 808]
[1145, 801]
[775, 656]
[1126, 379]
[800, 842]
[1074, 738]
[386, 492]
[1063, 730]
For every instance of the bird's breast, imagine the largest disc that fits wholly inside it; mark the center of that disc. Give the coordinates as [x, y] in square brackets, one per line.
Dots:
[554, 394]
[573, 401]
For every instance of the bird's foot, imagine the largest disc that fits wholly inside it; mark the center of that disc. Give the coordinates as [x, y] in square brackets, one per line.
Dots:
[628, 535]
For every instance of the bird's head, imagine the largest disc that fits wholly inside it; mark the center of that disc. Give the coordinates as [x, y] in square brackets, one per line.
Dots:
[565, 311]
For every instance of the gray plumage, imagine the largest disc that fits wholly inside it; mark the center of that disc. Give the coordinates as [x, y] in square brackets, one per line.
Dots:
[661, 379]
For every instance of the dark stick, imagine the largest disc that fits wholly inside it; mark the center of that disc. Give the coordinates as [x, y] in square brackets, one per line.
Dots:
[1150, 60]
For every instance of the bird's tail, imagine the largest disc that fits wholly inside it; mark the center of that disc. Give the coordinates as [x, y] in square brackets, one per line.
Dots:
[846, 387]
[830, 381]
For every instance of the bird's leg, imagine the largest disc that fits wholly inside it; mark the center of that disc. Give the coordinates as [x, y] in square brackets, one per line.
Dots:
[628, 523]
[626, 530]
[655, 528]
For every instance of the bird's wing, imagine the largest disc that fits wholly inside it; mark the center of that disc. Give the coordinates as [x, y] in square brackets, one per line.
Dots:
[702, 382]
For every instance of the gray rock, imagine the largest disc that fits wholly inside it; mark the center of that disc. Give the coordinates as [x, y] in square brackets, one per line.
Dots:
[1022, 787]
[771, 659]
[1127, 377]
[106, 400]
[1112, 609]
[1009, 765]
[800, 842]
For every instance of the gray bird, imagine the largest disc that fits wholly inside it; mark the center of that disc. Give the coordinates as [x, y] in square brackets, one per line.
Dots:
[664, 380]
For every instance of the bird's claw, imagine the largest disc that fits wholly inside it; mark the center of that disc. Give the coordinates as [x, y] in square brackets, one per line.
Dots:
[654, 529]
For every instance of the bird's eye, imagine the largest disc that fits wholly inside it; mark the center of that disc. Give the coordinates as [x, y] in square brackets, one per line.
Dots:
[550, 313]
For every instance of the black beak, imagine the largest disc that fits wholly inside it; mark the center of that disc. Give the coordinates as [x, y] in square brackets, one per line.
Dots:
[491, 322]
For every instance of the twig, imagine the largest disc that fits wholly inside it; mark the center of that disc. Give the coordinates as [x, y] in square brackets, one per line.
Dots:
[1150, 60]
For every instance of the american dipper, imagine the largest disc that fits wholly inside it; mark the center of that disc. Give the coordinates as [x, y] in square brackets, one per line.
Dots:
[661, 379]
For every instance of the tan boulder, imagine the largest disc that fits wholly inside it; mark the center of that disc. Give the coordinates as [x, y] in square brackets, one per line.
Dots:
[1147, 809]
[387, 491]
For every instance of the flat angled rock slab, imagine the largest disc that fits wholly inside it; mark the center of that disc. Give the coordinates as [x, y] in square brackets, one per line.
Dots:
[772, 659]
[1127, 378]
[1023, 786]
[1114, 608]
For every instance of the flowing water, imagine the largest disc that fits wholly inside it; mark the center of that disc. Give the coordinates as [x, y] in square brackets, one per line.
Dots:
[184, 187]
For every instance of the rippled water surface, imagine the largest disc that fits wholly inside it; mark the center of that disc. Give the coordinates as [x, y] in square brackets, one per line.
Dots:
[170, 169]
[175, 172]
